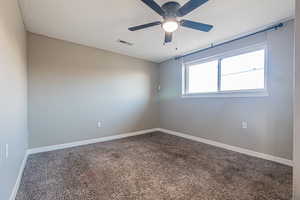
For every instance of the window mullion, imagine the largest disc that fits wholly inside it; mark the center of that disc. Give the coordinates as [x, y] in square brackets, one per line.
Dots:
[187, 77]
[219, 75]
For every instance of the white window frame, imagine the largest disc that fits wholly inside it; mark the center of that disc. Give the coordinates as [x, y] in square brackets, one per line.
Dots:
[232, 93]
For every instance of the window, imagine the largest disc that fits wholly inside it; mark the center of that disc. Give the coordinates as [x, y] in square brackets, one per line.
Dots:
[240, 73]
[202, 77]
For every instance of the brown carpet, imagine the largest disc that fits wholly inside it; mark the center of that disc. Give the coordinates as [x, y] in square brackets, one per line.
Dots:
[155, 166]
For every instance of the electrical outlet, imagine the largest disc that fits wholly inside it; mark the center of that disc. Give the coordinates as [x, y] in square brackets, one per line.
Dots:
[244, 125]
[99, 125]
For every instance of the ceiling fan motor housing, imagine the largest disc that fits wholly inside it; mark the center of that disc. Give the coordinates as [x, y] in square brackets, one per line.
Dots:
[170, 9]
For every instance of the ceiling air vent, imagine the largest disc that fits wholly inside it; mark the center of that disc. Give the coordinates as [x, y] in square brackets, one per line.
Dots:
[125, 42]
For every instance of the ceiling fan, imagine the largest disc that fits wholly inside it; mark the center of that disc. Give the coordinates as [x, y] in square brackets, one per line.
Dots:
[170, 12]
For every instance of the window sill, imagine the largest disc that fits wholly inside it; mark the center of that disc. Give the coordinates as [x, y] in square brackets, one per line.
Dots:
[227, 95]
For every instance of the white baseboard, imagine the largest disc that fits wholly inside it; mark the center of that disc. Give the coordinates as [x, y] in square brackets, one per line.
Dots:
[90, 141]
[18, 181]
[183, 135]
[229, 147]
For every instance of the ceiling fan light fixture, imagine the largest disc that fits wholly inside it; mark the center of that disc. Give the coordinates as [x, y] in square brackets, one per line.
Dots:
[170, 26]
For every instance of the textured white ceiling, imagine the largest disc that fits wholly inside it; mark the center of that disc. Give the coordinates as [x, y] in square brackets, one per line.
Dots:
[100, 23]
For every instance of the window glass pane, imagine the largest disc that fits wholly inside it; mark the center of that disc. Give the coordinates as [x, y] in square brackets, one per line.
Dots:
[243, 72]
[203, 77]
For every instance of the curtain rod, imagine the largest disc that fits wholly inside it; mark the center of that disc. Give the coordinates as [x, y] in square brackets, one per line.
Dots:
[275, 27]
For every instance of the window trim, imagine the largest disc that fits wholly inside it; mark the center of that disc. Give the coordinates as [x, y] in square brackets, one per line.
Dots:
[232, 93]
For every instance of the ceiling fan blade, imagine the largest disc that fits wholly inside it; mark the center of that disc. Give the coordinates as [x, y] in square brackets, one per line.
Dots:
[154, 6]
[196, 25]
[168, 37]
[135, 28]
[190, 6]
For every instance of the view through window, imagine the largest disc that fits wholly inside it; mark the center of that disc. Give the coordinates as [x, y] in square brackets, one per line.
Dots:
[236, 73]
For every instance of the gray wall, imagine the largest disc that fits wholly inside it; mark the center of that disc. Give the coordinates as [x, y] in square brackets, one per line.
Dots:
[270, 126]
[71, 87]
[13, 99]
[297, 106]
